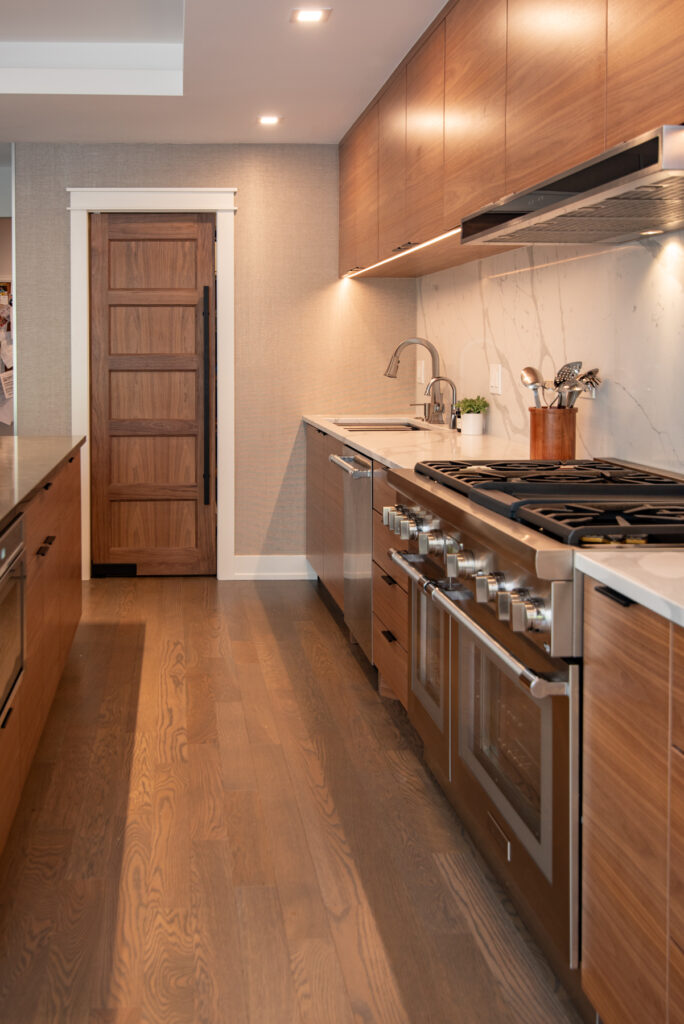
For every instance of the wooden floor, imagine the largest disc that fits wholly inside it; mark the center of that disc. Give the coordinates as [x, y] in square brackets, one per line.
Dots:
[225, 823]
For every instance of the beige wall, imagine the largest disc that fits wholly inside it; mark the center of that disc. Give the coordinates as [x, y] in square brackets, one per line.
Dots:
[305, 341]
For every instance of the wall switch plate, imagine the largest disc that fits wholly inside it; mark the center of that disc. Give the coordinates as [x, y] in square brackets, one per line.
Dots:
[420, 371]
[495, 379]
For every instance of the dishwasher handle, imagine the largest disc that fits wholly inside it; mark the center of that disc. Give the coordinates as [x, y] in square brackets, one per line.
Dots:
[538, 687]
[354, 467]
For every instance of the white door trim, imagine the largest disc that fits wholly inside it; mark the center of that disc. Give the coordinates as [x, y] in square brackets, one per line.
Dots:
[83, 201]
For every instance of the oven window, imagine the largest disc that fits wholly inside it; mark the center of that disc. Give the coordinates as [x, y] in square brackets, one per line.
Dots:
[506, 739]
[431, 638]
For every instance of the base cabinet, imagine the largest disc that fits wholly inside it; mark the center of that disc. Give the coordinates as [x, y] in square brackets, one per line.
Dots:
[625, 809]
[325, 512]
[52, 539]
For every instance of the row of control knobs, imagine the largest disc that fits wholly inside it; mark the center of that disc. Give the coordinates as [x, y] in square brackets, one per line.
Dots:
[518, 607]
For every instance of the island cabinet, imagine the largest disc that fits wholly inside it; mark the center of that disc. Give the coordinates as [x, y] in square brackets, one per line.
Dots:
[474, 108]
[52, 537]
[645, 47]
[52, 609]
[555, 92]
[358, 157]
[625, 808]
[325, 512]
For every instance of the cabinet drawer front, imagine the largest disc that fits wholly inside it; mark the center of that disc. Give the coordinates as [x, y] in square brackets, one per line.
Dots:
[382, 541]
[677, 848]
[383, 494]
[678, 687]
[676, 991]
[391, 660]
[390, 603]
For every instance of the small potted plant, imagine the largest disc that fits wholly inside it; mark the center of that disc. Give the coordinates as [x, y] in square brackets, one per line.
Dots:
[471, 416]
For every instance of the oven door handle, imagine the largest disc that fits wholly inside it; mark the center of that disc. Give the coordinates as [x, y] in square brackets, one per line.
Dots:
[400, 559]
[538, 687]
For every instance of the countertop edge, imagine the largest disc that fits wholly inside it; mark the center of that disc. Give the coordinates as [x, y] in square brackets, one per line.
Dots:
[628, 580]
[71, 444]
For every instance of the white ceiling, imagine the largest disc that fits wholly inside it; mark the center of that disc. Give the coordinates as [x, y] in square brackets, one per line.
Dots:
[240, 60]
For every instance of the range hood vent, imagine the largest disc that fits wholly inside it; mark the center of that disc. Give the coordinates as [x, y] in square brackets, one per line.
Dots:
[633, 189]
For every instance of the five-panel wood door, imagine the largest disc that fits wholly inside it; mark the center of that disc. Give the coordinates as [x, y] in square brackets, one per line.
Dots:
[153, 503]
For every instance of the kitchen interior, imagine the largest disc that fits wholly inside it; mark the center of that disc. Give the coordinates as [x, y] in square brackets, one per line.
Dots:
[415, 750]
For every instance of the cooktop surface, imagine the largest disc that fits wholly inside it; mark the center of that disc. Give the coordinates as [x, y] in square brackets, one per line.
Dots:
[579, 501]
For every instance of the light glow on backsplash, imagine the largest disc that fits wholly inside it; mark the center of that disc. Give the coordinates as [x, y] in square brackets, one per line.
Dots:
[619, 309]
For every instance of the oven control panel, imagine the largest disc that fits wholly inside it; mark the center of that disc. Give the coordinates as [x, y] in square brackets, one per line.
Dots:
[537, 608]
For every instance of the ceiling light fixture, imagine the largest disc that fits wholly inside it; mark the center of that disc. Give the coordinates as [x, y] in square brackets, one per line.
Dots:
[310, 15]
[269, 119]
[653, 232]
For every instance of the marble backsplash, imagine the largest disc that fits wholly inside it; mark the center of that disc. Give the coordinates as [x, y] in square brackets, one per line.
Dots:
[620, 309]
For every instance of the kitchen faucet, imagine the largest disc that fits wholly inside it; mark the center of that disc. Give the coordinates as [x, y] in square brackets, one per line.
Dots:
[453, 415]
[435, 414]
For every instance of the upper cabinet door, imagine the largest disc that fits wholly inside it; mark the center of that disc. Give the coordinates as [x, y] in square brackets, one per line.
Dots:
[645, 67]
[359, 194]
[425, 140]
[392, 166]
[475, 108]
[555, 110]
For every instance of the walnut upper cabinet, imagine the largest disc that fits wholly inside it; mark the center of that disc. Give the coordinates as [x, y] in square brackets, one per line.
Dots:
[425, 140]
[359, 194]
[392, 166]
[555, 97]
[474, 108]
[645, 67]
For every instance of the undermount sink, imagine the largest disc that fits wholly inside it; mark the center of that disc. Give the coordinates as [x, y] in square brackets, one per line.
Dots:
[355, 423]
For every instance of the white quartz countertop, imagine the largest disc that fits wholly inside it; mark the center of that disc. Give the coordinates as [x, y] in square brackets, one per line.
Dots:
[401, 450]
[25, 463]
[651, 576]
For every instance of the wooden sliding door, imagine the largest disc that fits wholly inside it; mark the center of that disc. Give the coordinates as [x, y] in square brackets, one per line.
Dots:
[152, 437]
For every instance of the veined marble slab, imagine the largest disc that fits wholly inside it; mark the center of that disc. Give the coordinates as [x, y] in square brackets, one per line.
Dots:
[402, 450]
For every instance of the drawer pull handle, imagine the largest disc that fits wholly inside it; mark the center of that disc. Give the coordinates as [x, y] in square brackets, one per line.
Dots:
[388, 580]
[389, 636]
[43, 550]
[615, 596]
[7, 717]
[47, 486]
[50, 540]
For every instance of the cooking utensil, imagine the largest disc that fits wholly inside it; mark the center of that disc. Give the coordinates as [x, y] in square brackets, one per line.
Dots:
[590, 377]
[567, 372]
[532, 379]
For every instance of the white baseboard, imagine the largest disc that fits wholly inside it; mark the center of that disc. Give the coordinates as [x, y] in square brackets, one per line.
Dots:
[270, 567]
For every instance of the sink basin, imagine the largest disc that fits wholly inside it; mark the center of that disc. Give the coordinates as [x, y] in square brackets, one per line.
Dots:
[355, 423]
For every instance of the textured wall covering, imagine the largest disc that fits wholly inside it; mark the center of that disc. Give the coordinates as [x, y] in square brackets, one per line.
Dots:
[305, 341]
[620, 309]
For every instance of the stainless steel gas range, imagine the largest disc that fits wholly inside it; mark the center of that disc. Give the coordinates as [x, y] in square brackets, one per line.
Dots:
[496, 646]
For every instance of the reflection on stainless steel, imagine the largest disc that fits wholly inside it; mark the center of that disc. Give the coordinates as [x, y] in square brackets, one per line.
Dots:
[453, 411]
[358, 546]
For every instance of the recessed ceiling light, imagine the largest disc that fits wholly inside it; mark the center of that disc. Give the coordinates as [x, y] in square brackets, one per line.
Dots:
[310, 15]
[651, 232]
[269, 119]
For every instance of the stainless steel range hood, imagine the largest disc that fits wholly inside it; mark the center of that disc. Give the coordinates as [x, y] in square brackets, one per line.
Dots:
[631, 190]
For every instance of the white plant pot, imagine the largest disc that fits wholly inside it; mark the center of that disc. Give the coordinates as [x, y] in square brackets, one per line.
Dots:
[472, 422]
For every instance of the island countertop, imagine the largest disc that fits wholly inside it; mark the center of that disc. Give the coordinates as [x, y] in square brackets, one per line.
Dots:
[25, 464]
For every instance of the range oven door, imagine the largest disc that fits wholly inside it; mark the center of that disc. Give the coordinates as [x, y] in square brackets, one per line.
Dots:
[517, 756]
[429, 701]
[12, 574]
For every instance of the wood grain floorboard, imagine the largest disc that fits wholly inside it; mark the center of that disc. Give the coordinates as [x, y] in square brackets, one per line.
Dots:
[225, 824]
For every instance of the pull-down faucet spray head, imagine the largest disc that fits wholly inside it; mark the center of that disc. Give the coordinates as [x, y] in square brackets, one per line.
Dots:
[392, 366]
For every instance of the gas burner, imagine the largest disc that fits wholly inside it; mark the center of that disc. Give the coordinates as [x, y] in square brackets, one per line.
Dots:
[589, 523]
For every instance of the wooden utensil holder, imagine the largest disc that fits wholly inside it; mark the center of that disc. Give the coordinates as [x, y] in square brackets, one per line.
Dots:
[552, 433]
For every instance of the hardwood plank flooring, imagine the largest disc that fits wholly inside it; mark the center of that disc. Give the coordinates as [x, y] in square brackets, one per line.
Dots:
[225, 824]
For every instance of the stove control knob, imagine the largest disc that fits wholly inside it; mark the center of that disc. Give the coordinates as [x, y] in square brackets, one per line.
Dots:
[400, 521]
[464, 563]
[430, 543]
[408, 528]
[529, 614]
[487, 586]
[387, 511]
[506, 600]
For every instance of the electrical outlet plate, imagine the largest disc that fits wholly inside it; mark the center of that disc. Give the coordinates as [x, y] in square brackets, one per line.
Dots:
[495, 379]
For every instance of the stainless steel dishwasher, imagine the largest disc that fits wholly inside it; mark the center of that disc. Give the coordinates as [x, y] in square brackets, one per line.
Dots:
[358, 546]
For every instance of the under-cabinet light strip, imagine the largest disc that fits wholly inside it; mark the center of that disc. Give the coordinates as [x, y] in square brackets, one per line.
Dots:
[400, 255]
